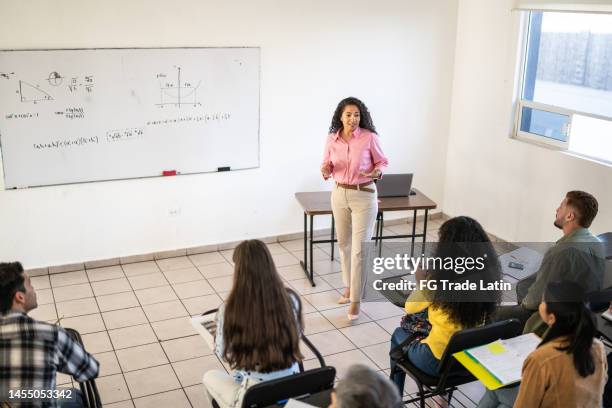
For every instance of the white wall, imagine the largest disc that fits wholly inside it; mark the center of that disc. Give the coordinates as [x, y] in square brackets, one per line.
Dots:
[396, 55]
[512, 187]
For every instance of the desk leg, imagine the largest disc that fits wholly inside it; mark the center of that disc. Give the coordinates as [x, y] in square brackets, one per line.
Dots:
[311, 277]
[414, 219]
[304, 263]
[425, 230]
[332, 237]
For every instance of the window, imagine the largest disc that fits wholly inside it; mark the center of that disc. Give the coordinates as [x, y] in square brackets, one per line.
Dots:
[566, 83]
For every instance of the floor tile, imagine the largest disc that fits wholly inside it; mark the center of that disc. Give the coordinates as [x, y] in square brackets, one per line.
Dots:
[221, 284]
[68, 278]
[326, 267]
[112, 389]
[173, 328]
[174, 399]
[342, 361]
[197, 396]
[186, 348]
[216, 270]
[110, 286]
[190, 372]
[201, 304]
[40, 282]
[97, 342]
[291, 272]
[319, 255]
[293, 245]
[61, 378]
[277, 249]
[178, 262]
[208, 258]
[331, 342]
[72, 292]
[117, 319]
[44, 296]
[334, 280]
[306, 306]
[165, 310]
[132, 336]
[193, 289]
[150, 280]
[183, 275]
[140, 268]
[155, 295]
[316, 323]
[381, 310]
[152, 381]
[285, 260]
[108, 363]
[121, 404]
[324, 300]
[77, 307]
[44, 312]
[117, 301]
[379, 353]
[109, 272]
[85, 324]
[389, 324]
[366, 334]
[304, 287]
[139, 357]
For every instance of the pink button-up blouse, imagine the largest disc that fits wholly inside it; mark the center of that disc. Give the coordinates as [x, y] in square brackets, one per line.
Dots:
[362, 153]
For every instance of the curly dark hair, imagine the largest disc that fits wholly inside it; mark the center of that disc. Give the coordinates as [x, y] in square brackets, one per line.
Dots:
[456, 239]
[365, 121]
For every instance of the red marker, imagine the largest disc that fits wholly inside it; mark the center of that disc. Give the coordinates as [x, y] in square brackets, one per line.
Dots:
[169, 173]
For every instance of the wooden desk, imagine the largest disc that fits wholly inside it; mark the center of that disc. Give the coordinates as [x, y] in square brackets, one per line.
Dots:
[319, 203]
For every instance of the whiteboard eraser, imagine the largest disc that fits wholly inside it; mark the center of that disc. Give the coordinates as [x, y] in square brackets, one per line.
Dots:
[223, 168]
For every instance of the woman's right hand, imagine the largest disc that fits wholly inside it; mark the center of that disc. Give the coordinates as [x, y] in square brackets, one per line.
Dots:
[326, 170]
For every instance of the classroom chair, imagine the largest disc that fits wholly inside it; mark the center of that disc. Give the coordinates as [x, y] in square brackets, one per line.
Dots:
[452, 373]
[91, 396]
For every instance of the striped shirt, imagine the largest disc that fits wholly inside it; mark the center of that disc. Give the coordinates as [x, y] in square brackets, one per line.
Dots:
[32, 352]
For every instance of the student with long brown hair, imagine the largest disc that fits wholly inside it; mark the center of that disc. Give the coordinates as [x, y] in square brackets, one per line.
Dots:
[258, 328]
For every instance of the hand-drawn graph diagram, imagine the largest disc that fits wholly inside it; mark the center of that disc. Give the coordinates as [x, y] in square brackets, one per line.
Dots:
[32, 93]
[177, 93]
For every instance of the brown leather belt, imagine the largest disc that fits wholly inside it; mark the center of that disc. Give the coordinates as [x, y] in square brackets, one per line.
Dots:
[360, 187]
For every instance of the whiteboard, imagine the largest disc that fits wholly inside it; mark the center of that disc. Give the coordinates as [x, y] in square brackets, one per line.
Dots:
[69, 116]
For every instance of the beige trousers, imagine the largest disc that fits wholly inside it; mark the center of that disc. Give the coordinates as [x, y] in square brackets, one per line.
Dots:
[355, 214]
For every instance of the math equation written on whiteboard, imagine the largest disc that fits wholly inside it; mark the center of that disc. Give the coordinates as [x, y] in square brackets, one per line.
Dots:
[145, 110]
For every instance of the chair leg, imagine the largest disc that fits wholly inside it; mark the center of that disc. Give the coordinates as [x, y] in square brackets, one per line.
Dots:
[421, 395]
[450, 397]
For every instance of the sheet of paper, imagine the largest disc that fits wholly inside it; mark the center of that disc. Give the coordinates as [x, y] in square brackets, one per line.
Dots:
[206, 326]
[504, 358]
[297, 404]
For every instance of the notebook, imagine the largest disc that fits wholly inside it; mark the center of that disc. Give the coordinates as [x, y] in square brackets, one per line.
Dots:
[503, 359]
[206, 326]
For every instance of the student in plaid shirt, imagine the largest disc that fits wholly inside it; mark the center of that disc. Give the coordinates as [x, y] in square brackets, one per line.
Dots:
[31, 352]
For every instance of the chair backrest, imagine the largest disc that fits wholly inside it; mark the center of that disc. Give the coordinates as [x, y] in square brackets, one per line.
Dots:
[88, 388]
[475, 337]
[606, 238]
[600, 300]
[297, 385]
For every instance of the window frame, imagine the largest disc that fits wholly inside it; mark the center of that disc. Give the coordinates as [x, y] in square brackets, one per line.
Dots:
[520, 103]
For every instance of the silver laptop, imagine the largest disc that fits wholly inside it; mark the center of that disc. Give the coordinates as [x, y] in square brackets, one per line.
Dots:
[394, 185]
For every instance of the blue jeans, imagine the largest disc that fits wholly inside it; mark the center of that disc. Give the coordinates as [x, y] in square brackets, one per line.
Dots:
[418, 353]
[500, 398]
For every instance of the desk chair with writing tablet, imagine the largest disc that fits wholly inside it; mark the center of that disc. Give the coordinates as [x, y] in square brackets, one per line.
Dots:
[452, 373]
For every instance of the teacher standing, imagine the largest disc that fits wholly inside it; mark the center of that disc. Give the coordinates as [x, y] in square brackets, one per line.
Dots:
[354, 159]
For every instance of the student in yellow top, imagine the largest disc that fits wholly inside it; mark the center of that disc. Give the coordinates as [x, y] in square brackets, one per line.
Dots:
[569, 367]
[447, 310]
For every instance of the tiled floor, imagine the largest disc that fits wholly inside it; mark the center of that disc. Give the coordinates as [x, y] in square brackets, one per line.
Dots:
[135, 319]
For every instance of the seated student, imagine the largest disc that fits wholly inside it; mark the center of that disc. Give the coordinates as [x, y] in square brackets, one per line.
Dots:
[577, 257]
[363, 387]
[569, 367]
[447, 311]
[258, 328]
[31, 352]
